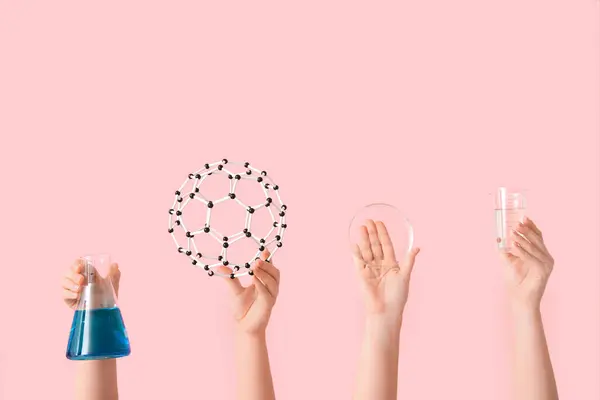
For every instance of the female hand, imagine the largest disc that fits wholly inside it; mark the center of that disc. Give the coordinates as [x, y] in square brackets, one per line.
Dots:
[74, 279]
[529, 265]
[252, 305]
[385, 281]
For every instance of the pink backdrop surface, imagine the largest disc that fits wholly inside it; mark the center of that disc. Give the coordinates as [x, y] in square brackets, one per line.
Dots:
[105, 107]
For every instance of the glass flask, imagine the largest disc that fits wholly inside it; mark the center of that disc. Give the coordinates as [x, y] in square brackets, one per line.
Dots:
[98, 331]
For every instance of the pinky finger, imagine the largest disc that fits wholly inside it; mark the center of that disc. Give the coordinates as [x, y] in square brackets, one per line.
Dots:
[69, 295]
[69, 285]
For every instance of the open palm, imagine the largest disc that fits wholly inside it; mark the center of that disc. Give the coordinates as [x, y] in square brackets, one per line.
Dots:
[385, 281]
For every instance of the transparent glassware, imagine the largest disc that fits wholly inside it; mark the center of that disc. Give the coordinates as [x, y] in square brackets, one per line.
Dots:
[509, 207]
[98, 331]
[397, 225]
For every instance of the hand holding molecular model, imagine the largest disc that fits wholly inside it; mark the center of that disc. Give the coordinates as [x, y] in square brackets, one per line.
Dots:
[252, 305]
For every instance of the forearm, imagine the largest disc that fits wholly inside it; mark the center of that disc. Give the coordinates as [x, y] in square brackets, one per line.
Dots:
[253, 370]
[534, 377]
[96, 380]
[378, 365]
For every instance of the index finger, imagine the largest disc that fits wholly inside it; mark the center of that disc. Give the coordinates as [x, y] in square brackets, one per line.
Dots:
[77, 266]
[265, 254]
[270, 269]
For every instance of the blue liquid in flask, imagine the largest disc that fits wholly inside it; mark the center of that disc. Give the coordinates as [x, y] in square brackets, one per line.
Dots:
[98, 334]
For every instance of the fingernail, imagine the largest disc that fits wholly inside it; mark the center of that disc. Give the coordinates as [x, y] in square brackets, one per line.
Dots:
[75, 287]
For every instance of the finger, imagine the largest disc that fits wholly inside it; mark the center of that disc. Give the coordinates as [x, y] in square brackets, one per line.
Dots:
[260, 287]
[234, 284]
[115, 276]
[114, 271]
[532, 236]
[518, 251]
[69, 295]
[68, 284]
[77, 266]
[386, 242]
[365, 245]
[410, 260]
[75, 277]
[269, 269]
[265, 254]
[374, 241]
[269, 282]
[526, 245]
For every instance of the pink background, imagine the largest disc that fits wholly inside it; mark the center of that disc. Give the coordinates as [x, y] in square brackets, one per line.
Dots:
[106, 106]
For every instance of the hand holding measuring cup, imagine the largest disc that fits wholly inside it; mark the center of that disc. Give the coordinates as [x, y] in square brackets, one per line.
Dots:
[529, 264]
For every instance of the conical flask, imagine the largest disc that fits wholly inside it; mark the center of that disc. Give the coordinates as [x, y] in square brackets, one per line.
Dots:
[98, 331]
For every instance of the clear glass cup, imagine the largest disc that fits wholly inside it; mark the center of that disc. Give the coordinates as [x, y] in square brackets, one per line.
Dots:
[510, 206]
[98, 331]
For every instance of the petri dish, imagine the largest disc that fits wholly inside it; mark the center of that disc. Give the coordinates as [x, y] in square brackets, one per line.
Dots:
[398, 227]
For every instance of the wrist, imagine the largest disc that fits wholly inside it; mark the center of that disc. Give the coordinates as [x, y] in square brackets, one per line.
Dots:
[255, 334]
[385, 322]
[524, 312]
[521, 306]
[384, 312]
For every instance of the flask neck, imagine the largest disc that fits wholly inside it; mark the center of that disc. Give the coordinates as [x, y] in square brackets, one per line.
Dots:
[97, 295]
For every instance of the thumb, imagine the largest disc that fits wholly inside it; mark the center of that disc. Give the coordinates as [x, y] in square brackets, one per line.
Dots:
[359, 263]
[510, 263]
[233, 283]
[409, 263]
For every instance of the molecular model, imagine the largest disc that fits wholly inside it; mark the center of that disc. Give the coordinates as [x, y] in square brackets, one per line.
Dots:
[191, 191]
